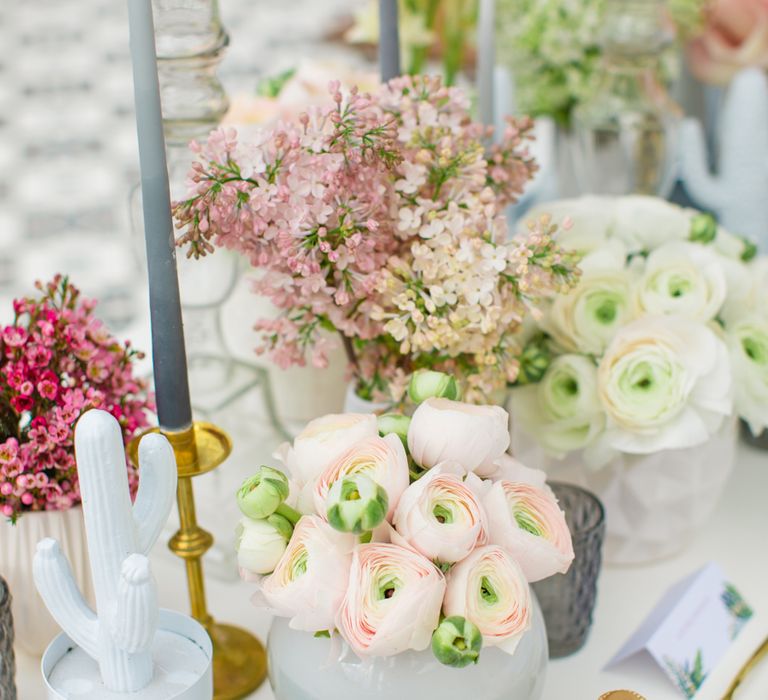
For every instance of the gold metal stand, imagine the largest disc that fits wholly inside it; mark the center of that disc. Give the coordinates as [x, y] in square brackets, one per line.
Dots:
[239, 659]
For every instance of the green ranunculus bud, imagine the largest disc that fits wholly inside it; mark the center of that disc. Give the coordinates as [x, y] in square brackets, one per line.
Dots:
[426, 384]
[457, 642]
[750, 250]
[703, 228]
[356, 504]
[534, 362]
[395, 423]
[262, 494]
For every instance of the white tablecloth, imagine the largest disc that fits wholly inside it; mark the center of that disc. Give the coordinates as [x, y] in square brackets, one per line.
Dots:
[735, 538]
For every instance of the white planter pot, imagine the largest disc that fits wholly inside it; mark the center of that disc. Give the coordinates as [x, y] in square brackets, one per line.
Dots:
[354, 404]
[182, 653]
[654, 504]
[302, 667]
[34, 627]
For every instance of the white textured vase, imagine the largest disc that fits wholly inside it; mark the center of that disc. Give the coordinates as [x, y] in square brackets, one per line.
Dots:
[302, 667]
[34, 626]
[655, 504]
[355, 404]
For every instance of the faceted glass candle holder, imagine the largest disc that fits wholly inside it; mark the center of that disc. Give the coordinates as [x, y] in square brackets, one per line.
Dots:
[567, 600]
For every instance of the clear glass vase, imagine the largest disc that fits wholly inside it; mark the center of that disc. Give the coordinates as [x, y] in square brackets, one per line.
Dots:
[626, 131]
[225, 389]
[302, 667]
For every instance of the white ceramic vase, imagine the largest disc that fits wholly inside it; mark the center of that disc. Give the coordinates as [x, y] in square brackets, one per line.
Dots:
[302, 667]
[655, 504]
[355, 404]
[34, 626]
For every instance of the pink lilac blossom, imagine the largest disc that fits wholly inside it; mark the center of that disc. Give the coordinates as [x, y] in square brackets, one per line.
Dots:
[381, 218]
[57, 361]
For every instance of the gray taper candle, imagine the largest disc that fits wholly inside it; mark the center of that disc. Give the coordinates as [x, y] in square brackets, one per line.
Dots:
[169, 358]
[389, 40]
[486, 59]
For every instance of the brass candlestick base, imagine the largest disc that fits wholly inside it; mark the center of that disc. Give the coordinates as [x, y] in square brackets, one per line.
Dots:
[239, 659]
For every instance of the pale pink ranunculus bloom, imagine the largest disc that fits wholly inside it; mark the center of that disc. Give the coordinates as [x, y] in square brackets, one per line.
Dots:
[323, 440]
[441, 517]
[310, 580]
[383, 459]
[392, 602]
[734, 36]
[489, 589]
[443, 430]
[511, 469]
[528, 523]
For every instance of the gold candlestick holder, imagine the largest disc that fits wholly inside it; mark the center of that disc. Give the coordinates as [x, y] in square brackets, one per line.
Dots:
[239, 659]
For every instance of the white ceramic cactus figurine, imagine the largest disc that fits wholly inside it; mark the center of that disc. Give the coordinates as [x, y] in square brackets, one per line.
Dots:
[120, 634]
[738, 194]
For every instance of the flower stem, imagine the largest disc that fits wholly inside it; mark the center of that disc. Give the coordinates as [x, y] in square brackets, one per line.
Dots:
[288, 513]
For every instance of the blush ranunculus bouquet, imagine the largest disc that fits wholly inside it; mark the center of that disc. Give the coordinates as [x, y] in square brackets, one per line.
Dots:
[381, 218]
[664, 338]
[399, 532]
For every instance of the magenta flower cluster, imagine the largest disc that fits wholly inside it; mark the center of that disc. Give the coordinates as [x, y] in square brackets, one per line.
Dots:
[380, 218]
[56, 361]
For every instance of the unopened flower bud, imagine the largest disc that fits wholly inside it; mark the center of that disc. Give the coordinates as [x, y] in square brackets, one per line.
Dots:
[750, 249]
[356, 504]
[426, 384]
[703, 228]
[262, 494]
[457, 642]
[261, 543]
[534, 361]
[395, 423]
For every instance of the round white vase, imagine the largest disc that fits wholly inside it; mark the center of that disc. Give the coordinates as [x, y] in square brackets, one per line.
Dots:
[302, 667]
[655, 504]
[34, 627]
[182, 653]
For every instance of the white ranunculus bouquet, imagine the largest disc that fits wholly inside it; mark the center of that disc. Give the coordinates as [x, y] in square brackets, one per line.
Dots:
[398, 532]
[664, 337]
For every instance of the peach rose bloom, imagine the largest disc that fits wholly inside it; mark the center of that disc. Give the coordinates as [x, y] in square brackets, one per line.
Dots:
[735, 36]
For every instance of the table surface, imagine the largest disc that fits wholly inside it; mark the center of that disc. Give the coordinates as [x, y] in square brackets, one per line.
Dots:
[734, 538]
[70, 111]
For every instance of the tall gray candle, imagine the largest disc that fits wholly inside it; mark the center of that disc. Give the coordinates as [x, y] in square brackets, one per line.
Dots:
[486, 59]
[389, 40]
[169, 358]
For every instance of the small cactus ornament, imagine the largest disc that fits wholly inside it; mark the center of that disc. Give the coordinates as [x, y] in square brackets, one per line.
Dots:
[120, 633]
[737, 193]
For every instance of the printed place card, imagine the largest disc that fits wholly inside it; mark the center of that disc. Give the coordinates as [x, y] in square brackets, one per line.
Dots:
[691, 628]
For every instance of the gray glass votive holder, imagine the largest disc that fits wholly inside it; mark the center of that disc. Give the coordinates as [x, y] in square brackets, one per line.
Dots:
[7, 661]
[567, 600]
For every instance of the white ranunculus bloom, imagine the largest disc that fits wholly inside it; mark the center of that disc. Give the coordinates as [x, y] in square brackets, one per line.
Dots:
[585, 319]
[682, 278]
[563, 411]
[748, 342]
[645, 223]
[591, 217]
[665, 383]
[259, 546]
[747, 289]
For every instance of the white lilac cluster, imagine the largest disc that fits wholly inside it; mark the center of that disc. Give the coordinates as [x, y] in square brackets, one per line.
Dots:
[664, 337]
